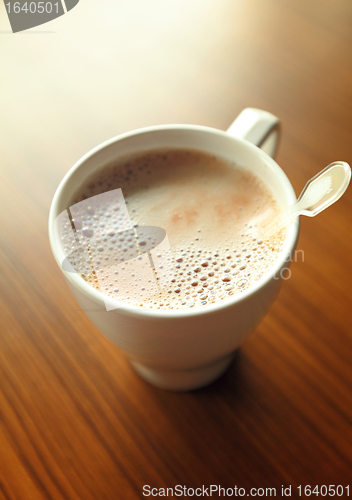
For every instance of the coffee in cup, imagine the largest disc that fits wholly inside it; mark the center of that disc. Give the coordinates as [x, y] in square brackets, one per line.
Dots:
[186, 348]
[211, 210]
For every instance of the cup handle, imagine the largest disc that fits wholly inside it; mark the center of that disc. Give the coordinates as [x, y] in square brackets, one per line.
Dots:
[259, 127]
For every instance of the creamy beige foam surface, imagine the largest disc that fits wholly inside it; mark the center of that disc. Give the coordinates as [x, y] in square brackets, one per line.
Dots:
[211, 211]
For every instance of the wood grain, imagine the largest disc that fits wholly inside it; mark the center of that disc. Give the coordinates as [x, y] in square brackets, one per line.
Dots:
[76, 422]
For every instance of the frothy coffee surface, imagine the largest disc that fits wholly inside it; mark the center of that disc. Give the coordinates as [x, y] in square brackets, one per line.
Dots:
[209, 209]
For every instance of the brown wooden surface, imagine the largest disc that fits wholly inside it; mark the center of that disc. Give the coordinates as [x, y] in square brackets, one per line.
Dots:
[76, 422]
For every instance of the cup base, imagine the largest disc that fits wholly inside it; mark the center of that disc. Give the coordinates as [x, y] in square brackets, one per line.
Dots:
[183, 380]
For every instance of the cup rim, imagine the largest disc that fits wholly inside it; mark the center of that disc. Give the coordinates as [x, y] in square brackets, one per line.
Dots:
[130, 310]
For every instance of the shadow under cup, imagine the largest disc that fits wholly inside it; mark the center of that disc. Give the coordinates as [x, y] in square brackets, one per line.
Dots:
[179, 349]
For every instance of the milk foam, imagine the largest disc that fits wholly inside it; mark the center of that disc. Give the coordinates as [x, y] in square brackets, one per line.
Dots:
[208, 208]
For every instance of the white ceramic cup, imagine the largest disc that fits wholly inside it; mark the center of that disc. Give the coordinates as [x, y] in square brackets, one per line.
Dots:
[186, 349]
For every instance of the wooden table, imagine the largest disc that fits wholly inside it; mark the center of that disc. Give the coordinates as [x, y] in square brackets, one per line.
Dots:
[76, 422]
